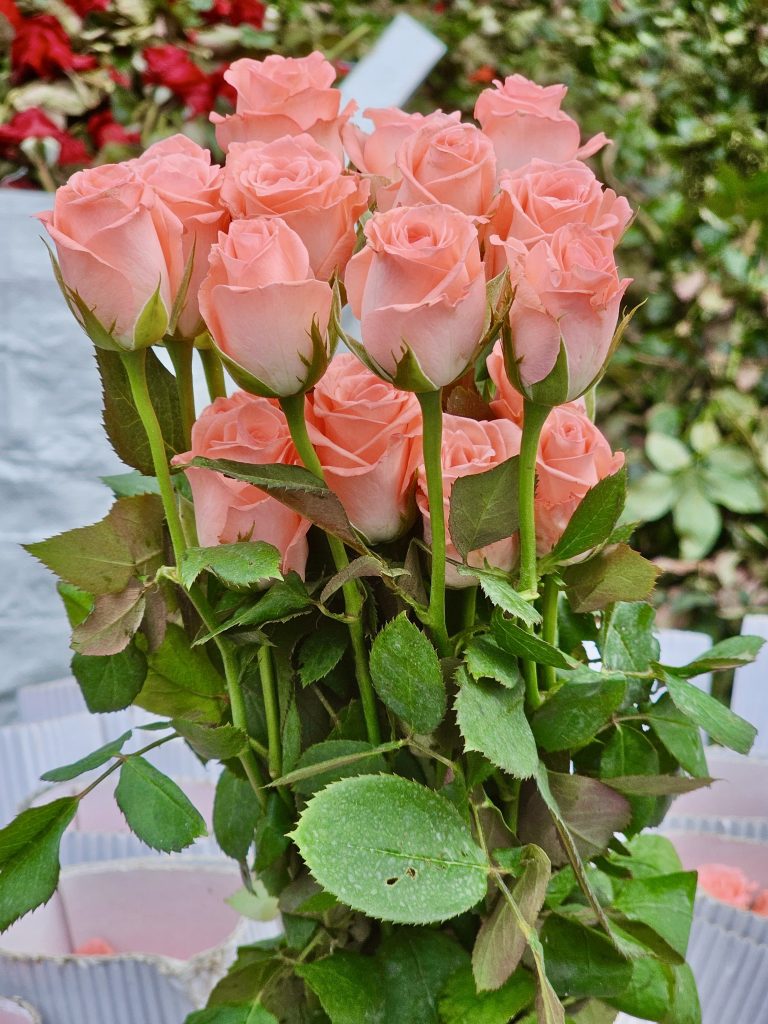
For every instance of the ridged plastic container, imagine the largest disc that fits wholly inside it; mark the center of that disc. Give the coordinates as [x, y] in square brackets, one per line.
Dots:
[16, 1011]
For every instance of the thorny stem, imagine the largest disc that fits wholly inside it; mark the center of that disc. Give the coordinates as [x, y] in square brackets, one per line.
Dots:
[432, 422]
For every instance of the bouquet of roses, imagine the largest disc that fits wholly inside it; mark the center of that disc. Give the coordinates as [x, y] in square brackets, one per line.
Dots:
[391, 591]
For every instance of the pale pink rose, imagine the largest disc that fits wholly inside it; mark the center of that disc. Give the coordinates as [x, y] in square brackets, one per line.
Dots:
[374, 153]
[244, 428]
[727, 884]
[182, 174]
[419, 284]
[447, 162]
[260, 301]
[281, 96]
[508, 403]
[368, 438]
[760, 903]
[470, 447]
[305, 185]
[567, 289]
[573, 456]
[523, 120]
[117, 244]
[535, 200]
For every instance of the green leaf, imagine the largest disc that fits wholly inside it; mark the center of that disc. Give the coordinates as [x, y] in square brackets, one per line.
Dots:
[392, 849]
[114, 619]
[77, 603]
[664, 904]
[502, 594]
[156, 810]
[679, 735]
[649, 856]
[407, 675]
[181, 681]
[655, 785]
[731, 653]
[582, 961]
[322, 651]
[415, 964]
[594, 518]
[357, 750]
[698, 523]
[710, 715]
[626, 638]
[629, 752]
[487, 661]
[500, 943]
[222, 742]
[739, 492]
[112, 682]
[332, 760]
[492, 721]
[250, 1014]
[618, 574]
[515, 640]
[461, 1003]
[131, 484]
[282, 601]
[254, 968]
[236, 812]
[347, 986]
[668, 454]
[237, 565]
[484, 507]
[574, 713]
[89, 762]
[29, 858]
[684, 1007]
[648, 991]
[650, 497]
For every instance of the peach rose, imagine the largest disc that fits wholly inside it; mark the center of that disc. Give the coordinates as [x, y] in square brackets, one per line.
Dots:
[727, 884]
[535, 200]
[419, 284]
[567, 291]
[268, 316]
[281, 96]
[573, 456]
[299, 181]
[469, 447]
[368, 438]
[244, 428]
[760, 904]
[447, 162]
[374, 152]
[118, 245]
[182, 174]
[508, 403]
[523, 120]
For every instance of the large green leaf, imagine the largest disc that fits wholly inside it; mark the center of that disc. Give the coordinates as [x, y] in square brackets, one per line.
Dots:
[484, 507]
[112, 682]
[594, 518]
[664, 904]
[649, 989]
[582, 961]
[574, 713]
[89, 762]
[492, 721]
[709, 714]
[392, 849]
[156, 810]
[461, 1003]
[626, 639]
[348, 987]
[181, 681]
[415, 964]
[407, 675]
[237, 565]
[236, 812]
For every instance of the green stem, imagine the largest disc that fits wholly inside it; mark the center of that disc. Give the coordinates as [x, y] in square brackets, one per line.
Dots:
[214, 373]
[550, 593]
[120, 760]
[293, 407]
[469, 609]
[535, 415]
[268, 689]
[432, 428]
[181, 353]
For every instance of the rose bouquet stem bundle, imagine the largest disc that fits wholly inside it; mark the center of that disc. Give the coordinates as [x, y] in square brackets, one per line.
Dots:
[367, 585]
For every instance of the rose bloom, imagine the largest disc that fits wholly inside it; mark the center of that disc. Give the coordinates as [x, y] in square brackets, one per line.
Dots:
[567, 288]
[260, 301]
[118, 244]
[535, 200]
[446, 162]
[244, 428]
[104, 129]
[35, 124]
[523, 120]
[281, 96]
[182, 174]
[573, 456]
[174, 68]
[508, 402]
[235, 12]
[727, 884]
[367, 436]
[419, 282]
[41, 49]
[375, 152]
[305, 185]
[470, 447]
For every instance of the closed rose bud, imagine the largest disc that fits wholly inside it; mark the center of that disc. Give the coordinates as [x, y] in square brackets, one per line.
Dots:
[523, 120]
[418, 285]
[268, 316]
[367, 436]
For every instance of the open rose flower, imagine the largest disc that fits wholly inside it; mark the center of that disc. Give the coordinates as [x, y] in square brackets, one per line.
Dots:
[299, 181]
[535, 200]
[41, 49]
[244, 428]
[368, 438]
[567, 292]
[182, 174]
[727, 884]
[281, 96]
[268, 316]
[172, 67]
[419, 284]
[36, 124]
[523, 120]
[374, 152]
[573, 456]
[469, 447]
[120, 250]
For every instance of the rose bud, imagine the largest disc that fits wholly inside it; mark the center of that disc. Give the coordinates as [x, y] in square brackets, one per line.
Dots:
[281, 96]
[305, 185]
[244, 428]
[470, 447]
[567, 294]
[267, 315]
[367, 436]
[120, 254]
[418, 288]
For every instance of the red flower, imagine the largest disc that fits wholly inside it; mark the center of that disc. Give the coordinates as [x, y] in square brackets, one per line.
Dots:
[236, 12]
[35, 124]
[220, 89]
[103, 128]
[174, 68]
[86, 7]
[10, 12]
[484, 75]
[41, 49]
